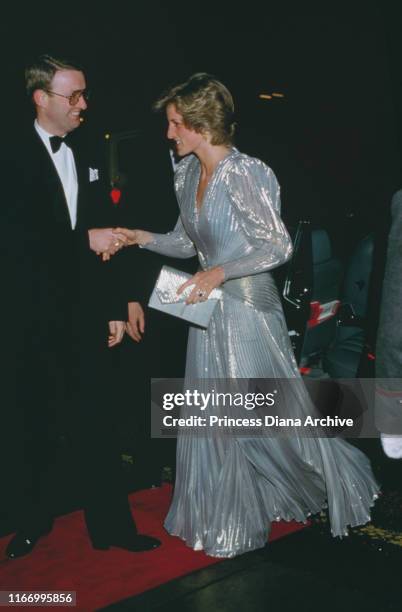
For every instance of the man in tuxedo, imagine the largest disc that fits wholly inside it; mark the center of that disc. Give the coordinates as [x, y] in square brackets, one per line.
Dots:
[61, 312]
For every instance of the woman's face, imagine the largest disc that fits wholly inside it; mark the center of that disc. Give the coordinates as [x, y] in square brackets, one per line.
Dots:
[186, 140]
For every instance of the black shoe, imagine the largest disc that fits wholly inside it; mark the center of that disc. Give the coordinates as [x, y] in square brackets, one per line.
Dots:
[21, 544]
[24, 540]
[138, 543]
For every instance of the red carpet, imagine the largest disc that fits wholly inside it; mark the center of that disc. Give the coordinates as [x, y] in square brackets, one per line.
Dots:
[65, 560]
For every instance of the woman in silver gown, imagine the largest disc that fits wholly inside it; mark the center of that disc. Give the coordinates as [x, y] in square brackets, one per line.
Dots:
[230, 488]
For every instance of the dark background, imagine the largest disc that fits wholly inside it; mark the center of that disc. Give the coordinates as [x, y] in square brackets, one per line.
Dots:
[334, 140]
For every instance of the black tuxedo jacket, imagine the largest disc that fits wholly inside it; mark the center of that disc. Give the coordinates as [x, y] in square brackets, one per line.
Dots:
[57, 294]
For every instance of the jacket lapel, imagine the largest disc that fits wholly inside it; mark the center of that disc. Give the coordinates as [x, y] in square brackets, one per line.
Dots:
[82, 179]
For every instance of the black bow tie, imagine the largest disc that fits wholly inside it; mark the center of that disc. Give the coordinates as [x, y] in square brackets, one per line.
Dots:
[56, 142]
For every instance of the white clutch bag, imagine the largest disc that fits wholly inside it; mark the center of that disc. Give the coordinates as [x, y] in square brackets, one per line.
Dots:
[164, 298]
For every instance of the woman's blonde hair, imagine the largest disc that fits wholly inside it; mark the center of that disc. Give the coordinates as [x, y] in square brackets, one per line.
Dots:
[205, 104]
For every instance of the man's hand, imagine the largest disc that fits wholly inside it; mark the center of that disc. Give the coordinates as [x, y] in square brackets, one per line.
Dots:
[127, 237]
[106, 240]
[135, 326]
[116, 333]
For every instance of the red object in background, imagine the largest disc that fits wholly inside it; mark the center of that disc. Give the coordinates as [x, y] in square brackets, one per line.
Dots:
[322, 312]
[115, 194]
[371, 356]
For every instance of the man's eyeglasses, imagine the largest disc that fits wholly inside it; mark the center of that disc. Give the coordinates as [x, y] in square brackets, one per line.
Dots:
[75, 96]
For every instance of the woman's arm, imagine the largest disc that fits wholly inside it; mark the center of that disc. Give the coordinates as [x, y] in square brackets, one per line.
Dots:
[255, 195]
[173, 244]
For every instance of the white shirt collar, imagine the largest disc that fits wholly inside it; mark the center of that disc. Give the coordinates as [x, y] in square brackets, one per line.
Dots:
[45, 136]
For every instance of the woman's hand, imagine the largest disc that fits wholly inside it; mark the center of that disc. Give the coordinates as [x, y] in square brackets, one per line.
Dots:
[128, 237]
[135, 236]
[204, 283]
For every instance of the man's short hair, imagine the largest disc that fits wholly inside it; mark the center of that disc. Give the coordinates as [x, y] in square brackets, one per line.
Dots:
[39, 73]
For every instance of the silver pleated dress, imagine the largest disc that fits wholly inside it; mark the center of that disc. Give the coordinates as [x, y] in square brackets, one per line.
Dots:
[230, 488]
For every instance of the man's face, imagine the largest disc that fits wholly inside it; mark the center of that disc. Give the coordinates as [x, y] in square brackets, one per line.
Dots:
[60, 116]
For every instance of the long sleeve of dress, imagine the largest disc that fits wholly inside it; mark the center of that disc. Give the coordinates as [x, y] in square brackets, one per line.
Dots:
[173, 244]
[255, 195]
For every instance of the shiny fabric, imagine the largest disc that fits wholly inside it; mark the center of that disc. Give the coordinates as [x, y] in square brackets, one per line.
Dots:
[165, 298]
[229, 489]
[169, 281]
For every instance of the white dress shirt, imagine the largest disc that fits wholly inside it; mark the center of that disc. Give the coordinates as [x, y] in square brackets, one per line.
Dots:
[65, 166]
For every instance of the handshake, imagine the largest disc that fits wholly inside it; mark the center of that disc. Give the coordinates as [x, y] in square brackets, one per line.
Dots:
[107, 241]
